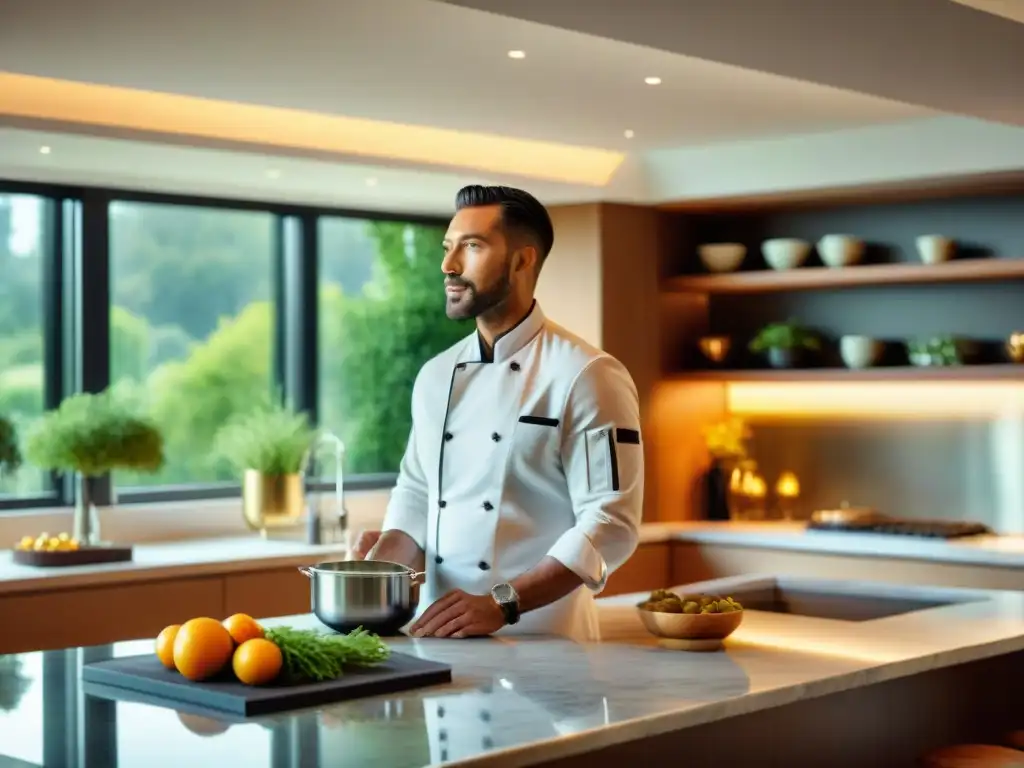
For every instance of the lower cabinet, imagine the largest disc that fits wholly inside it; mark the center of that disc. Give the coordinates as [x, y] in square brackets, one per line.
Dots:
[97, 615]
[648, 569]
[279, 592]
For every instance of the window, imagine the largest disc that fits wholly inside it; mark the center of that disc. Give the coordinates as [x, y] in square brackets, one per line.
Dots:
[381, 316]
[192, 324]
[25, 250]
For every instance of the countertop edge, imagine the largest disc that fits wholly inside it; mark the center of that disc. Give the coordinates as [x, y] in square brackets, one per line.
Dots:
[954, 552]
[144, 572]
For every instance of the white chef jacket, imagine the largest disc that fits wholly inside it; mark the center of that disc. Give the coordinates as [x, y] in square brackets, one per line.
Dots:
[535, 453]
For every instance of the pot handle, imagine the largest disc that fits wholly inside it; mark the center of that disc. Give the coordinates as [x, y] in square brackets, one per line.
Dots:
[417, 577]
[307, 572]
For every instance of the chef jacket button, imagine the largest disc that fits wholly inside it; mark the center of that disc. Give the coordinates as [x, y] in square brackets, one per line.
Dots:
[440, 711]
[487, 742]
[495, 437]
[488, 506]
[438, 559]
[484, 566]
[442, 735]
[485, 715]
[514, 365]
[442, 503]
[444, 755]
[448, 435]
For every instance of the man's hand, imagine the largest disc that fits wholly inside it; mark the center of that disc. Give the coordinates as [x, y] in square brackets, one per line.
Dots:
[460, 614]
[367, 540]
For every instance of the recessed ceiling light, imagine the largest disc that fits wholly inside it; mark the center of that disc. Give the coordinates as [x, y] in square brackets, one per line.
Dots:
[652, 80]
[371, 182]
[629, 134]
[44, 150]
[273, 173]
[517, 54]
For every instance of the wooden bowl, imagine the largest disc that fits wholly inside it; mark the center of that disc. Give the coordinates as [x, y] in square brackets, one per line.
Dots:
[690, 631]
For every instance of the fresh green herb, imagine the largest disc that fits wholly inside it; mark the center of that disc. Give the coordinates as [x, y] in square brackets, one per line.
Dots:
[273, 440]
[937, 350]
[314, 655]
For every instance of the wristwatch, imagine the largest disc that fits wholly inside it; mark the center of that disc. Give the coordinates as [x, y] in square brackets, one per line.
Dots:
[507, 598]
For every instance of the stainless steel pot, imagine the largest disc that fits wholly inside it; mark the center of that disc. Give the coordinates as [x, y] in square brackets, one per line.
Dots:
[373, 594]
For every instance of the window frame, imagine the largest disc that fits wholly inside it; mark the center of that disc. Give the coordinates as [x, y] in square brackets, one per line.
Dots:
[77, 315]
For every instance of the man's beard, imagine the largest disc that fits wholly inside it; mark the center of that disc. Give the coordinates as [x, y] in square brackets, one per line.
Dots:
[473, 302]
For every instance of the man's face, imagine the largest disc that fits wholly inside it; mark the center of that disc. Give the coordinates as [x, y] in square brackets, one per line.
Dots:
[477, 263]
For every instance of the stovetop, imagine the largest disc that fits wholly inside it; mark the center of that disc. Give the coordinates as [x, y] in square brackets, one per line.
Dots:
[928, 529]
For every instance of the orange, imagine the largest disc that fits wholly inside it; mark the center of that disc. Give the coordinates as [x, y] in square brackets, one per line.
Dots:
[257, 661]
[202, 648]
[165, 645]
[242, 627]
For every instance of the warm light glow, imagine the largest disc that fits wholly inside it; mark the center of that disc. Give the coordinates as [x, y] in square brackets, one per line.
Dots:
[866, 400]
[517, 54]
[629, 134]
[128, 110]
[787, 486]
[652, 80]
[44, 150]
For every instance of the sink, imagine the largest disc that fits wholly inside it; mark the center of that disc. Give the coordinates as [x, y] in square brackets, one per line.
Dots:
[841, 601]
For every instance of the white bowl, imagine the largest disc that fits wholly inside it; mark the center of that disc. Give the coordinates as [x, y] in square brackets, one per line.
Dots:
[840, 250]
[859, 351]
[722, 257]
[785, 252]
[934, 249]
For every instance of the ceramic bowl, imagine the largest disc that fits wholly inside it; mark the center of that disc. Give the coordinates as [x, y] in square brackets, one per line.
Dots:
[785, 252]
[859, 351]
[840, 250]
[690, 626]
[722, 257]
[934, 249]
[715, 348]
[1015, 347]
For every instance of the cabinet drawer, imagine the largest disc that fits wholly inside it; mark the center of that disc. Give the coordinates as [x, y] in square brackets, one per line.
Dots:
[98, 615]
[278, 592]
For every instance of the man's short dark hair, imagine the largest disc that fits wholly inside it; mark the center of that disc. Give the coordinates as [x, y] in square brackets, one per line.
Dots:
[521, 212]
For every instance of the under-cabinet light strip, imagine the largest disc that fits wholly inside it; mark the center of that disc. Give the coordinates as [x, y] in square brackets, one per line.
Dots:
[899, 400]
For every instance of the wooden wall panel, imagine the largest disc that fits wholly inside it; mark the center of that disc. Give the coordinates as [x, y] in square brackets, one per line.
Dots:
[280, 592]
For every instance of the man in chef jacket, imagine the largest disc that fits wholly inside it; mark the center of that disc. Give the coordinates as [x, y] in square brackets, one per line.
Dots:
[521, 487]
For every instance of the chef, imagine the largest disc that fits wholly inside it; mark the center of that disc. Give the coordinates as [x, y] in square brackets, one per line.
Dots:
[521, 486]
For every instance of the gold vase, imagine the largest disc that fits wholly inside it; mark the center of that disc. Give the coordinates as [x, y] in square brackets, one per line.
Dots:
[271, 501]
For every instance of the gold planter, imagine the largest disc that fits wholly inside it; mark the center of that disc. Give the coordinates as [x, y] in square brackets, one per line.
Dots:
[271, 501]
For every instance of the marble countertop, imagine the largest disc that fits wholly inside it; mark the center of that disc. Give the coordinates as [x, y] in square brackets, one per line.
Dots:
[1000, 551]
[194, 557]
[521, 701]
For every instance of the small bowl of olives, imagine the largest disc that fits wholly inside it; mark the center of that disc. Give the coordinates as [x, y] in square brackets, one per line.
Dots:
[691, 622]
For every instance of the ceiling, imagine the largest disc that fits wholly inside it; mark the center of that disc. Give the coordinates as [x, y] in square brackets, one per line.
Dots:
[942, 54]
[417, 63]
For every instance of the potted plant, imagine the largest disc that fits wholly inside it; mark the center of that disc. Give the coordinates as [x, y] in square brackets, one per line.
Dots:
[938, 350]
[92, 435]
[10, 455]
[270, 448]
[785, 343]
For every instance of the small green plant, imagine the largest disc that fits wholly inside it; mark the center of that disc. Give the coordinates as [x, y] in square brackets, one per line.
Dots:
[937, 350]
[93, 434]
[273, 440]
[10, 455]
[788, 335]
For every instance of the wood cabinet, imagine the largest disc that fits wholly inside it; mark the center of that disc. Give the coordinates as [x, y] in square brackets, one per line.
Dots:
[649, 568]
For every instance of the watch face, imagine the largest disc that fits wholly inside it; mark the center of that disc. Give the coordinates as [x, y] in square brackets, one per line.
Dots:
[503, 593]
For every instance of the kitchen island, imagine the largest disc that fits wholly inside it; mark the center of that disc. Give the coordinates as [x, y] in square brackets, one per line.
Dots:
[845, 673]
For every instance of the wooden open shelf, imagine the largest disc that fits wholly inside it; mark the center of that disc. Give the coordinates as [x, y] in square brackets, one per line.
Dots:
[891, 373]
[809, 278]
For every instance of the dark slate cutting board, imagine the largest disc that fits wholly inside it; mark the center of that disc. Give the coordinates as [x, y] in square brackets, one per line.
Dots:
[145, 674]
